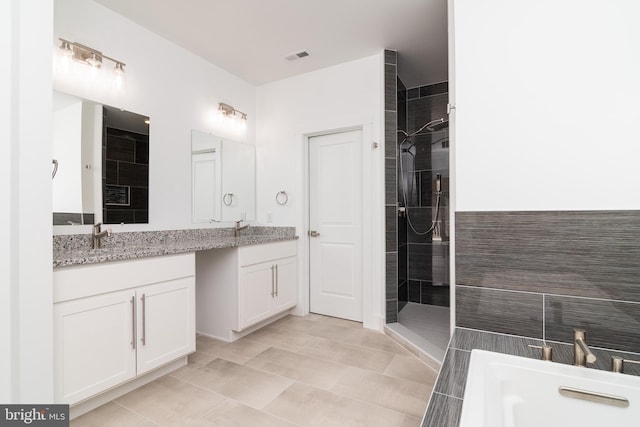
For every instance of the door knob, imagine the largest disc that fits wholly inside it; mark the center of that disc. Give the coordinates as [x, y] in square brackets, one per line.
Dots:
[313, 233]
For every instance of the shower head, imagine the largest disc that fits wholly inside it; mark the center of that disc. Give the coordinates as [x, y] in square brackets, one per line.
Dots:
[437, 125]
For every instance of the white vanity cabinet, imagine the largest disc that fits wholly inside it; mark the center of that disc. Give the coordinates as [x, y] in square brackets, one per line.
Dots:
[238, 288]
[116, 321]
[265, 288]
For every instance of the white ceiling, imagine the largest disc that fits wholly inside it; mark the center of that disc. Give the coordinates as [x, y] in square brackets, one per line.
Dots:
[250, 38]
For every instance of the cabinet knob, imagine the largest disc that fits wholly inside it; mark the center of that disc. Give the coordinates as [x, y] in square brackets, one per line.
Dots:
[313, 233]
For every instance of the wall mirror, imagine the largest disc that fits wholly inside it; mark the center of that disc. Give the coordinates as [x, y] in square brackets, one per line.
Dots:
[222, 179]
[101, 154]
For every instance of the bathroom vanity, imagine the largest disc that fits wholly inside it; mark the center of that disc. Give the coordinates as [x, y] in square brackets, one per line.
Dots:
[239, 288]
[125, 314]
[116, 321]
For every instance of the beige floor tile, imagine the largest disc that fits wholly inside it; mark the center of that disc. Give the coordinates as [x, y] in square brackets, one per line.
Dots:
[169, 401]
[411, 422]
[401, 395]
[374, 340]
[316, 328]
[234, 414]
[109, 415]
[247, 385]
[350, 355]
[309, 370]
[337, 321]
[308, 406]
[284, 339]
[410, 368]
[238, 351]
[196, 360]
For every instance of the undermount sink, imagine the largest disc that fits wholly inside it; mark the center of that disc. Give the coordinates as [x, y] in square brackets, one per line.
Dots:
[512, 391]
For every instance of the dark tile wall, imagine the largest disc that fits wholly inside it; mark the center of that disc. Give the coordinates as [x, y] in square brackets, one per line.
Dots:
[541, 274]
[403, 285]
[391, 195]
[427, 258]
[126, 170]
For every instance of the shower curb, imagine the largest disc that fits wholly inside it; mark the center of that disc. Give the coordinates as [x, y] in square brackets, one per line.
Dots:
[423, 356]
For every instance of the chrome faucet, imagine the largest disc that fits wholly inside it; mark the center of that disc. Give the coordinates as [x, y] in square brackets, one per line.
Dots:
[581, 353]
[236, 230]
[99, 234]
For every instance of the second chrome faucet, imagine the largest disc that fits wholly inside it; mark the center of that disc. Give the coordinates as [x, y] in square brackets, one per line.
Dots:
[581, 352]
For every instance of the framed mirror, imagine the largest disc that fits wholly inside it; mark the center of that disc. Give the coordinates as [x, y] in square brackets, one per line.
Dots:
[223, 179]
[101, 154]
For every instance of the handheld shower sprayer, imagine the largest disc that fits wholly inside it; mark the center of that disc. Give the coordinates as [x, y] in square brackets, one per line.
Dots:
[439, 183]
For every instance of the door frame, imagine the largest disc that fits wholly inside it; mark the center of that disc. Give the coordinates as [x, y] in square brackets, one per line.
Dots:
[370, 315]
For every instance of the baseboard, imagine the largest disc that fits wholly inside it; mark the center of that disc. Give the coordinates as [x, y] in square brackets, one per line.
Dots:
[92, 403]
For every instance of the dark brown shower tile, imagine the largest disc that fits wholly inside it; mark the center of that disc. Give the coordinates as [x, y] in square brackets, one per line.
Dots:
[391, 234]
[390, 137]
[609, 324]
[587, 253]
[452, 378]
[515, 313]
[390, 87]
[390, 57]
[419, 256]
[443, 411]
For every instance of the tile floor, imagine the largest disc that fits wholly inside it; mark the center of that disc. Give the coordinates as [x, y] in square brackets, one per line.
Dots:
[426, 326]
[299, 371]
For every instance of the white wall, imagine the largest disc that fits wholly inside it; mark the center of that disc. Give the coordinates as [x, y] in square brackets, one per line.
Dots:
[26, 353]
[547, 99]
[178, 90]
[345, 95]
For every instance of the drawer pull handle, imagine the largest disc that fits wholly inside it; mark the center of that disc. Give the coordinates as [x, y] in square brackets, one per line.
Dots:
[133, 323]
[273, 281]
[144, 321]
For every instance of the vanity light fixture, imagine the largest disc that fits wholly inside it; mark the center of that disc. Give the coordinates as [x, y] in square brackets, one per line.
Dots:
[236, 117]
[91, 57]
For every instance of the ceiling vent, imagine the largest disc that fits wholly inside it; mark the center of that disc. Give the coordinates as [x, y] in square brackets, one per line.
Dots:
[297, 55]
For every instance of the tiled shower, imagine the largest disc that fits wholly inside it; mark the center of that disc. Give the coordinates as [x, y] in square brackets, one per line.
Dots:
[423, 264]
[417, 264]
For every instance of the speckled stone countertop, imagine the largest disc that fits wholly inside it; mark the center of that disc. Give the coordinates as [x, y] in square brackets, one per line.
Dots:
[75, 249]
[445, 405]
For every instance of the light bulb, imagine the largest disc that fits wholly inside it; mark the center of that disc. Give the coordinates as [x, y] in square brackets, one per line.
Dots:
[119, 77]
[65, 53]
[94, 61]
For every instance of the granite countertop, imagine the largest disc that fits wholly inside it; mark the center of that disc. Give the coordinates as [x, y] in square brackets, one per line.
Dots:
[75, 249]
[446, 400]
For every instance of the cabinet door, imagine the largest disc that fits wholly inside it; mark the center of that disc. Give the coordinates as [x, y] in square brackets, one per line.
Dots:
[286, 284]
[166, 322]
[256, 290]
[93, 344]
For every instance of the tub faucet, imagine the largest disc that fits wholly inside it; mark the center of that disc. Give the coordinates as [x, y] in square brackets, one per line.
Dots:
[236, 230]
[99, 234]
[581, 353]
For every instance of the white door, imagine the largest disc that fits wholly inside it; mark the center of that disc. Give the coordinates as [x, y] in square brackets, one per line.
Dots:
[335, 215]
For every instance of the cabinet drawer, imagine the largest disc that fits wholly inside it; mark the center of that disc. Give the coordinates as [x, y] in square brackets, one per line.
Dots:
[249, 255]
[94, 279]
